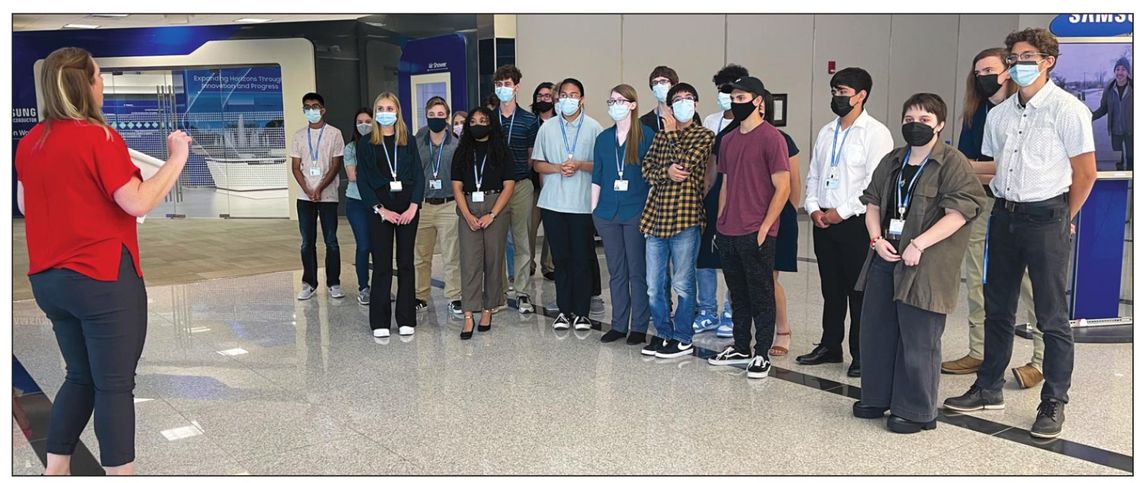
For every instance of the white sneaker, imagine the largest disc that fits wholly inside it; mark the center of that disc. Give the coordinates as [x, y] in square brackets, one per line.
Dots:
[335, 292]
[381, 333]
[407, 330]
[306, 292]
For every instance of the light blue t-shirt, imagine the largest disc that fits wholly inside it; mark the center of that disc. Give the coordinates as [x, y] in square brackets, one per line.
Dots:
[350, 160]
[560, 193]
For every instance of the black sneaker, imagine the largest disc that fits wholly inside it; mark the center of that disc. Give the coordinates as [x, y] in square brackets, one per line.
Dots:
[654, 345]
[1050, 417]
[674, 349]
[730, 357]
[456, 307]
[758, 368]
[635, 338]
[421, 305]
[561, 323]
[525, 307]
[582, 323]
[612, 335]
[974, 400]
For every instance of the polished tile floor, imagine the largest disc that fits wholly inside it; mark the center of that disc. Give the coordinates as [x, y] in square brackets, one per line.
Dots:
[239, 377]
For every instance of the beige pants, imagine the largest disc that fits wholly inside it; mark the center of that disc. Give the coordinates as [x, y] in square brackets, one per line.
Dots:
[438, 224]
[975, 294]
[521, 206]
[483, 255]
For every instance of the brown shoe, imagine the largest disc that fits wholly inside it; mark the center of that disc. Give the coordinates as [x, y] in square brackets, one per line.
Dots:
[965, 365]
[1027, 376]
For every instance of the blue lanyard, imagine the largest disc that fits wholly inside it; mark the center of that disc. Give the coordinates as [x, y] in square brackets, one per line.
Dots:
[565, 139]
[395, 153]
[438, 157]
[835, 140]
[479, 173]
[511, 128]
[904, 202]
[620, 155]
[313, 153]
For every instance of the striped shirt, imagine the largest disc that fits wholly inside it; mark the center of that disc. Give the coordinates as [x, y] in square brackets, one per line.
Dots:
[672, 207]
[520, 130]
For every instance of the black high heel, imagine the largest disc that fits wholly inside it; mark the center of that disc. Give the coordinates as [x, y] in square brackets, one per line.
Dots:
[464, 335]
[486, 316]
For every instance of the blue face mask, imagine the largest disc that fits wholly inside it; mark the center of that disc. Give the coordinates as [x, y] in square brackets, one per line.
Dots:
[661, 90]
[386, 118]
[568, 106]
[1025, 74]
[505, 94]
[619, 112]
[684, 110]
[313, 115]
[724, 101]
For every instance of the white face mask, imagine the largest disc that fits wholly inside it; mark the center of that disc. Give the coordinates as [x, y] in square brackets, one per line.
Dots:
[365, 128]
[661, 90]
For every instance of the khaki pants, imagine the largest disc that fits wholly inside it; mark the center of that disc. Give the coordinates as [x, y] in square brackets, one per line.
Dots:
[975, 297]
[438, 223]
[483, 254]
[521, 206]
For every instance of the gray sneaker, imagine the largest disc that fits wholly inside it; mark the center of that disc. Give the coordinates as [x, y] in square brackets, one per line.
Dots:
[335, 292]
[597, 305]
[306, 292]
[365, 296]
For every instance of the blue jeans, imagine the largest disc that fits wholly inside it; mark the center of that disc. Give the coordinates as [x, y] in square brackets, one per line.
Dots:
[706, 292]
[510, 255]
[357, 213]
[680, 251]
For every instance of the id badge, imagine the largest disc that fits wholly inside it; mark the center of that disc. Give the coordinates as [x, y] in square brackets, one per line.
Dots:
[621, 185]
[831, 183]
[435, 184]
[477, 197]
[315, 171]
[896, 227]
[396, 186]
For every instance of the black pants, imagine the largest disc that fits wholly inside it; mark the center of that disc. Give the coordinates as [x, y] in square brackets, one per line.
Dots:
[100, 328]
[571, 241]
[1038, 238]
[307, 214]
[903, 349]
[595, 268]
[748, 271]
[382, 235]
[841, 250]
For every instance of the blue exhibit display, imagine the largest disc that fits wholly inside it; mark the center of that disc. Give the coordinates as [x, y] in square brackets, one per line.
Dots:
[444, 54]
[1092, 25]
[1098, 259]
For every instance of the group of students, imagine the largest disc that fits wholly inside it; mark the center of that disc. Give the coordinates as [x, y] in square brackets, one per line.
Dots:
[675, 199]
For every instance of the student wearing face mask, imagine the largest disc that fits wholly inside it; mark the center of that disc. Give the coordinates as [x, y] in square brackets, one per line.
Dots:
[661, 80]
[1044, 153]
[391, 180]
[438, 221]
[618, 198]
[481, 181]
[542, 105]
[562, 155]
[672, 221]
[457, 121]
[356, 210]
[987, 85]
[844, 157]
[919, 200]
[317, 152]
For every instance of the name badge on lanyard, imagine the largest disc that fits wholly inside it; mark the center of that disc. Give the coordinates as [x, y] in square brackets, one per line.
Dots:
[435, 183]
[832, 181]
[903, 199]
[314, 152]
[620, 184]
[395, 186]
[478, 196]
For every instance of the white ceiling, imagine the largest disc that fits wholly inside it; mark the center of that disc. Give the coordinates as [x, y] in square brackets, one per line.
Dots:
[57, 21]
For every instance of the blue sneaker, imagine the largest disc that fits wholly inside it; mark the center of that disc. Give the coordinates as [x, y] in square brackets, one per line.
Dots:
[725, 329]
[704, 322]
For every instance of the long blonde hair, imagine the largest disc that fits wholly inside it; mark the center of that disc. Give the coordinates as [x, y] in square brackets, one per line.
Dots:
[401, 128]
[633, 137]
[67, 78]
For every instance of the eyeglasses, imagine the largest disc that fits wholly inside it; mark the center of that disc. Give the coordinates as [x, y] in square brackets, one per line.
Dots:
[686, 98]
[572, 95]
[1024, 57]
[610, 102]
[545, 97]
[659, 82]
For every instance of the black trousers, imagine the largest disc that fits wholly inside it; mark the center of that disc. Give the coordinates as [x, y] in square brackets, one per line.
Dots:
[100, 328]
[571, 241]
[307, 214]
[748, 271]
[383, 235]
[841, 250]
[595, 267]
[903, 343]
[1037, 238]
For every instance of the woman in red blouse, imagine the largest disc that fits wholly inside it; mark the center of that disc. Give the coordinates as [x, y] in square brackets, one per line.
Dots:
[80, 194]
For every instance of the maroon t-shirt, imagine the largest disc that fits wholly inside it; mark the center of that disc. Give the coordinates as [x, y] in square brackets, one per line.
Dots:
[748, 162]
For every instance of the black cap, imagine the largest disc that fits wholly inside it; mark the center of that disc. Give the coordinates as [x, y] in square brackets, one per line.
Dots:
[750, 84]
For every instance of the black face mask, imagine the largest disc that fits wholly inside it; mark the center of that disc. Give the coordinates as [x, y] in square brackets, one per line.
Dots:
[917, 133]
[543, 106]
[741, 110]
[841, 105]
[479, 131]
[437, 124]
[987, 85]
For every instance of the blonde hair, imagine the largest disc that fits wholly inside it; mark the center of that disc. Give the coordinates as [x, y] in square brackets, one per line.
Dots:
[67, 78]
[401, 128]
[633, 137]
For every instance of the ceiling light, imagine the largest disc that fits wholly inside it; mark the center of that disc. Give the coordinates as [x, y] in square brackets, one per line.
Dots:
[252, 20]
[80, 26]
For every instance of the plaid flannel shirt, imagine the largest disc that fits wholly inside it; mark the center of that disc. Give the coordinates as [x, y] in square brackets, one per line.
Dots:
[672, 206]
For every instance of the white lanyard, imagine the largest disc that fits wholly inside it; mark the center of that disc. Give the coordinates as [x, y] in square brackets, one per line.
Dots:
[393, 160]
[479, 173]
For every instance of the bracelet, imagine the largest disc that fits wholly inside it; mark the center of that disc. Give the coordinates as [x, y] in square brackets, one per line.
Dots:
[916, 247]
[875, 241]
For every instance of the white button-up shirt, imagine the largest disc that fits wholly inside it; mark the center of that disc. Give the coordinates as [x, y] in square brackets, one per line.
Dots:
[867, 141]
[1032, 145]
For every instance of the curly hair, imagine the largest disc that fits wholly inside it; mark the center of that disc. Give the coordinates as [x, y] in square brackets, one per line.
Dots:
[497, 154]
[1040, 39]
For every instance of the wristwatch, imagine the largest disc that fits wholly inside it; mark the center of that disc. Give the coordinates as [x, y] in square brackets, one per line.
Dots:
[492, 215]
